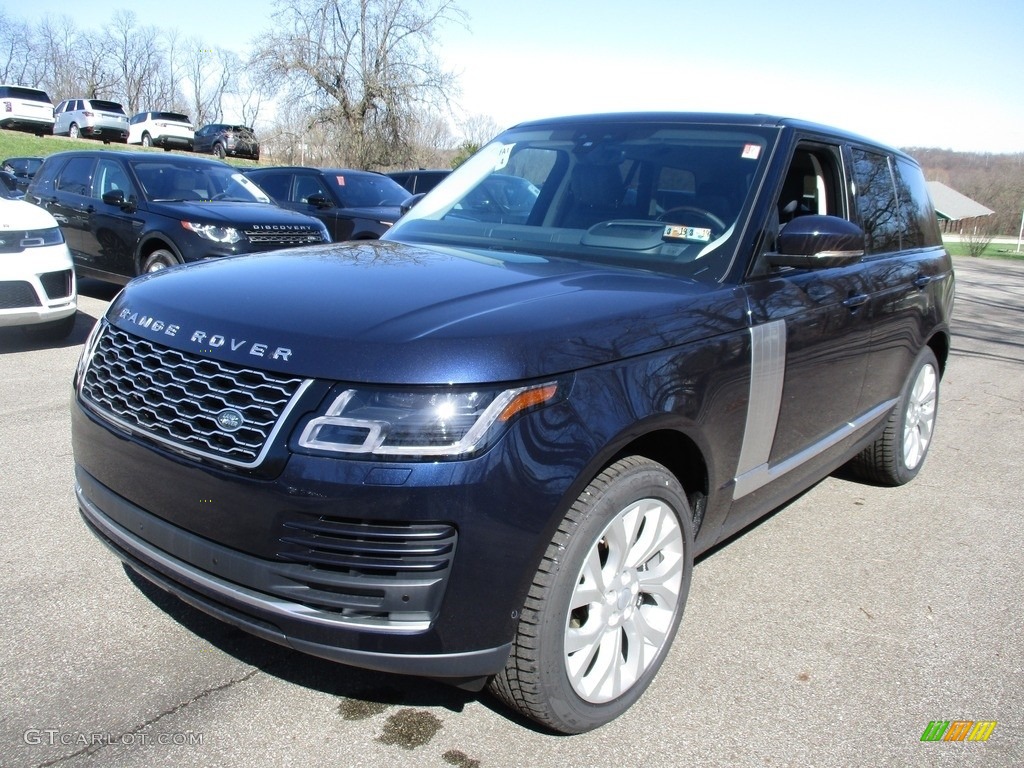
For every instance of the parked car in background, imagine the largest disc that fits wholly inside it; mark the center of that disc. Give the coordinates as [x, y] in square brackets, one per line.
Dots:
[419, 181]
[91, 119]
[9, 186]
[170, 130]
[355, 205]
[38, 291]
[25, 109]
[127, 213]
[225, 140]
[22, 168]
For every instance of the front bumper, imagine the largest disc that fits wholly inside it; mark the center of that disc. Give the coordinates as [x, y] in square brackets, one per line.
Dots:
[286, 558]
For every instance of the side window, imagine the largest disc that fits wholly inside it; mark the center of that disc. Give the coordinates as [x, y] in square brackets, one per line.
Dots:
[876, 201]
[307, 186]
[275, 185]
[918, 221]
[76, 177]
[110, 176]
[812, 184]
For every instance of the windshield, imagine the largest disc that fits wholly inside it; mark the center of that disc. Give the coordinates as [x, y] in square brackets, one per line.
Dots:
[165, 180]
[656, 195]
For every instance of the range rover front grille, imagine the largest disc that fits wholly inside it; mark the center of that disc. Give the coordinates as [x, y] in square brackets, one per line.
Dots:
[265, 237]
[197, 405]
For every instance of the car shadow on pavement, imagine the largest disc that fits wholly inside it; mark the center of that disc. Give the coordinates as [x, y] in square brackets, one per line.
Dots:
[19, 339]
[363, 692]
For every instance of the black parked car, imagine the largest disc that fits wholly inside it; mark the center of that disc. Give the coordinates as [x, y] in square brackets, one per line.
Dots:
[419, 181]
[225, 140]
[494, 448]
[23, 169]
[127, 213]
[355, 205]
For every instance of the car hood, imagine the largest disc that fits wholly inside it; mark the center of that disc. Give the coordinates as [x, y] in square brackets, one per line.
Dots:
[384, 312]
[230, 213]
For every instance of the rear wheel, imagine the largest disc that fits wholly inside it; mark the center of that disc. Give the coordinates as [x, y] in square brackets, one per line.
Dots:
[218, 150]
[899, 452]
[605, 603]
[147, 140]
[159, 259]
[73, 131]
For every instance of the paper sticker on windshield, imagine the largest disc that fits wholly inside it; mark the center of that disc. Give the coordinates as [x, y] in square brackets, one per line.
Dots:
[503, 155]
[679, 232]
[751, 151]
[340, 180]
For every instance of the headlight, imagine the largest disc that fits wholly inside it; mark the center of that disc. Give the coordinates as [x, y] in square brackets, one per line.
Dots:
[228, 235]
[442, 422]
[37, 238]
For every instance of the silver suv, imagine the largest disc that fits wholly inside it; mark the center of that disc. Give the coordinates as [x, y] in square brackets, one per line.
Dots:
[91, 118]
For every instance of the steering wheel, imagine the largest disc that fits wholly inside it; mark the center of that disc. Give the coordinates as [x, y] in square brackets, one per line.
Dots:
[707, 216]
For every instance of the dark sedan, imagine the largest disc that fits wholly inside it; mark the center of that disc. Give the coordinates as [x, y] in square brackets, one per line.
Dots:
[355, 205]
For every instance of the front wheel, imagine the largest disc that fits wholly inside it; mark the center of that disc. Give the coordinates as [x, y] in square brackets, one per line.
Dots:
[605, 603]
[160, 259]
[898, 454]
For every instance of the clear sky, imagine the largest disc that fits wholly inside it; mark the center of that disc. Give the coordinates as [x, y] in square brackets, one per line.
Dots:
[925, 73]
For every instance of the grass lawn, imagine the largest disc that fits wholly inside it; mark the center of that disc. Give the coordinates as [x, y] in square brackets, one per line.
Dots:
[18, 144]
[992, 251]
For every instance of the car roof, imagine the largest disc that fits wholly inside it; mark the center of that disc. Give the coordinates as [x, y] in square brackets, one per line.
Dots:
[710, 118]
[128, 155]
[349, 171]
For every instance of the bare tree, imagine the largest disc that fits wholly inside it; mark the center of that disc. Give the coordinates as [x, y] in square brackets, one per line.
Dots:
[15, 52]
[363, 66]
[136, 57]
[208, 72]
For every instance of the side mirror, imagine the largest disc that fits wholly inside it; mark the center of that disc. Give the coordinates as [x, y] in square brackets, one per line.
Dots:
[817, 242]
[410, 202]
[319, 201]
[116, 197]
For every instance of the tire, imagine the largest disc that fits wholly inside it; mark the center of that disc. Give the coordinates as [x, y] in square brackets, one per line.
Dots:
[898, 454]
[605, 603]
[159, 259]
[218, 150]
[147, 140]
[73, 131]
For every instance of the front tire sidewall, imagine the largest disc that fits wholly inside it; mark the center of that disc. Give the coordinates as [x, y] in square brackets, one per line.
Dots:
[159, 260]
[644, 479]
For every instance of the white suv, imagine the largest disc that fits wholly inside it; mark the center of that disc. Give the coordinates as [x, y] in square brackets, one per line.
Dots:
[37, 280]
[170, 130]
[91, 118]
[25, 109]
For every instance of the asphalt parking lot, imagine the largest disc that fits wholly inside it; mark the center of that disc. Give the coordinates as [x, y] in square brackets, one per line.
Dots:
[831, 634]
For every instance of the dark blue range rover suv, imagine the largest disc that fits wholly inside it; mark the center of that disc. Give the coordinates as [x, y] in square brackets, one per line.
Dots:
[487, 448]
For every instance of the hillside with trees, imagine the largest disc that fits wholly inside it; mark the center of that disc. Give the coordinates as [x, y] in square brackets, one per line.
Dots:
[995, 181]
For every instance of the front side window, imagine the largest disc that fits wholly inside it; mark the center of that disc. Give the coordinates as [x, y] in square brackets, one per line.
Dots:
[666, 196]
[111, 177]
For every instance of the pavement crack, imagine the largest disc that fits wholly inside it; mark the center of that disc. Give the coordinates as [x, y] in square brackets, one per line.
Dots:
[113, 739]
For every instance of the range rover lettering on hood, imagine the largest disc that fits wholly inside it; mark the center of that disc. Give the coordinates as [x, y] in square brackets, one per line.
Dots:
[204, 339]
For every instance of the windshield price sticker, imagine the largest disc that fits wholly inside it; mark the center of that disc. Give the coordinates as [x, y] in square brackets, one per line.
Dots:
[503, 155]
[678, 232]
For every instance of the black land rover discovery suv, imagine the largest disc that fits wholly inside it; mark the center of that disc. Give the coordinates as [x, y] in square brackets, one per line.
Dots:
[488, 446]
[127, 213]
